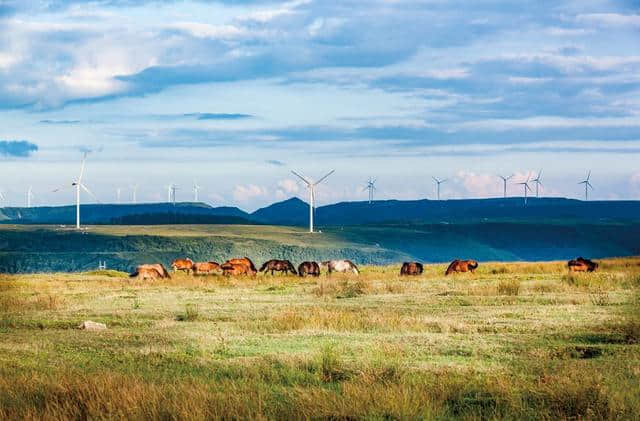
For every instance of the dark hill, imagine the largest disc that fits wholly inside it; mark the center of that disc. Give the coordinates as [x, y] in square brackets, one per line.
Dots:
[162, 213]
[289, 212]
[295, 211]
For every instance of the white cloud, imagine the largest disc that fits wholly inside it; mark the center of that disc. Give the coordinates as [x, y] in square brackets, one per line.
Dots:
[205, 30]
[609, 19]
[246, 193]
[288, 186]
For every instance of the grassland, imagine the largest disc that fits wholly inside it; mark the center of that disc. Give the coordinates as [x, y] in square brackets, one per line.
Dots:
[514, 340]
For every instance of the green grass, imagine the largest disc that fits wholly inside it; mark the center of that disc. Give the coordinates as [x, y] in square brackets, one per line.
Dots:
[513, 340]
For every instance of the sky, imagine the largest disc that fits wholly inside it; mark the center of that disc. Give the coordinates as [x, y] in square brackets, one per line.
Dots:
[234, 94]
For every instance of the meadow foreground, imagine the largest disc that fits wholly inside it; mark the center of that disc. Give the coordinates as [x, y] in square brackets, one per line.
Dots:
[519, 340]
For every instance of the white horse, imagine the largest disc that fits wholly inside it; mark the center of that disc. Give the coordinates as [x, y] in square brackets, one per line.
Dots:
[341, 266]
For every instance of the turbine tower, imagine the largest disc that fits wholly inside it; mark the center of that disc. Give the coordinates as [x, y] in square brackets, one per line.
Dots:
[311, 186]
[538, 182]
[118, 194]
[526, 187]
[79, 185]
[587, 186]
[504, 181]
[134, 191]
[2, 197]
[29, 196]
[438, 182]
[371, 186]
[173, 193]
[196, 187]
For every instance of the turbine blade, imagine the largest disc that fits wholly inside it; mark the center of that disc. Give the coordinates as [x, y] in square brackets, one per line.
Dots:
[324, 178]
[588, 175]
[301, 177]
[84, 158]
[85, 188]
[589, 184]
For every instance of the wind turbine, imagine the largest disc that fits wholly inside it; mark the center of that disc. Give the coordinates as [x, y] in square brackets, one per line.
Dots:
[118, 193]
[587, 185]
[504, 181]
[169, 191]
[311, 186]
[438, 182]
[371, 186]
[134, 190]
[2, 197]
[538, 182]
[29, 196]
[526, 187]
[173, 193]
[79, 185]
[196, 187]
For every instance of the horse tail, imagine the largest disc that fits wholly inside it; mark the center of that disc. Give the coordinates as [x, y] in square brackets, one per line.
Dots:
[134, 274]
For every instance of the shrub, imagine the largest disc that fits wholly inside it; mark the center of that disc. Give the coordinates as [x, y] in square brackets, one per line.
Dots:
[600, 298]
[190, 314]
[511, 287]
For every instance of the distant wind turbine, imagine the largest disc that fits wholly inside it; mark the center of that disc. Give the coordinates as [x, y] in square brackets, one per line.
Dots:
[118, 194]
[173, 193]
[29, 196]
[371, 186]
[2, 198]
[587, 186]
[134, 191]
[196, 187]
[526, 188]
[438, 182]
[79, 185]
[311, 186]
[504, 181]
[538, 181]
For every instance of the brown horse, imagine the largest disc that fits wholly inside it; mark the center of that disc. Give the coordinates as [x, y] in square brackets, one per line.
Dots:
[244, 261]
[206, 268]
[309, 269]
[582, 265]
[235, 269]
[461, 266]
[152, 271]
[411, 268]
[182, 264]
[275, 265]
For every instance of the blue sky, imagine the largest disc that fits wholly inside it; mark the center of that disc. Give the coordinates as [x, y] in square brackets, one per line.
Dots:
[235, 94]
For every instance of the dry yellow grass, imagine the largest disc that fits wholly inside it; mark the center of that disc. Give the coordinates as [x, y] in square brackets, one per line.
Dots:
[513, 340]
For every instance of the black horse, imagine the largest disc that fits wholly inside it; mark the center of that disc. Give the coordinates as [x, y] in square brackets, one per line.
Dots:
[309, 269]
[275, 265]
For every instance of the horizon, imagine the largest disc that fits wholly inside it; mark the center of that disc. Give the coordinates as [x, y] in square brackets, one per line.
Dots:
[235, 94]
[251, 211]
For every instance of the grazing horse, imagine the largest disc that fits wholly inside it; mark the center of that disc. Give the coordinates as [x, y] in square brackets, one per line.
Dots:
[341, 266]
[582, 265]
[275, 265]
[235, 269]
[244, 261]
[411, 268]
[206, 268]
[153, 271]
[309, 269]
[182, 264]
[461, 266]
